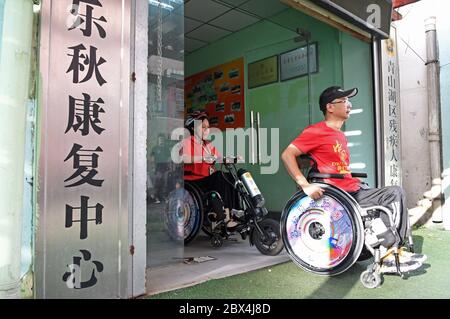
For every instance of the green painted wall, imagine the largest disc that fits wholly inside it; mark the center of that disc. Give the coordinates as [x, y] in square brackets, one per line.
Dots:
[284, 105]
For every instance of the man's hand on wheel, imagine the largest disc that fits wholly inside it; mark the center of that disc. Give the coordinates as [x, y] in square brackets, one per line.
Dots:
[313, 191]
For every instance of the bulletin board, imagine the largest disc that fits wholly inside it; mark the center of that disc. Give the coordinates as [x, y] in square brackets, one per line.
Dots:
[219, 91]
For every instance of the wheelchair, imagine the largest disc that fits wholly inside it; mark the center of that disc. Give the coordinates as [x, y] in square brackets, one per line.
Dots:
[191, 209]
[327, 236]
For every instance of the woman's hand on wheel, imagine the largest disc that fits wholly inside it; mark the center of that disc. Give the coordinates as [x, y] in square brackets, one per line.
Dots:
[313, 191]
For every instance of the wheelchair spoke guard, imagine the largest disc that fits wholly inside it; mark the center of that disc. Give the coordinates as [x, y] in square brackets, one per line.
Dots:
[183, 216]
[324, 236]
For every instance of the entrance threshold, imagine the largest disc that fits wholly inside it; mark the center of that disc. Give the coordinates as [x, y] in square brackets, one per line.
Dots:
[233, 258]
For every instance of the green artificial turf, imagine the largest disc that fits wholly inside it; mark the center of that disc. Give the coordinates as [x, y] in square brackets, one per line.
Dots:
[287, 281]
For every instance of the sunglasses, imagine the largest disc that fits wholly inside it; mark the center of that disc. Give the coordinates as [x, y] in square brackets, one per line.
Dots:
[342, 101]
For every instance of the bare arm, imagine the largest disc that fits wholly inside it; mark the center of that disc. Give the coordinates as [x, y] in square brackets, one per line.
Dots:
[289, 158]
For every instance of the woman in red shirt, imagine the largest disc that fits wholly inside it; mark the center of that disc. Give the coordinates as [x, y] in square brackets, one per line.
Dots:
[199, 157]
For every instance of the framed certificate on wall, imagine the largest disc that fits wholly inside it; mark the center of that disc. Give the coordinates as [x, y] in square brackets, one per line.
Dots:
[294, 63]
[263, 72]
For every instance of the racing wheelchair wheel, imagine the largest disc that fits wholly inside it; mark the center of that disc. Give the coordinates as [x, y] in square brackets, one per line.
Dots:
[184, 214]
[326, 236]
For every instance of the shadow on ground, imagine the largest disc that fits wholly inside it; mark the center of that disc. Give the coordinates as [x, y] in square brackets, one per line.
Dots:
[340, 286]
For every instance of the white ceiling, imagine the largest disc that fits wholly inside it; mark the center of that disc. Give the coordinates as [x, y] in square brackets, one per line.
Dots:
[207, 21]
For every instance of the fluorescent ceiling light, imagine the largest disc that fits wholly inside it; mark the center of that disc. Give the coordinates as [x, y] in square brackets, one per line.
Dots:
[353, 133]
[356, 111]
[161, 4]
[357, 166]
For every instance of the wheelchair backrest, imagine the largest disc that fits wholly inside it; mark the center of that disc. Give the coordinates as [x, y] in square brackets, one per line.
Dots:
[308, 167]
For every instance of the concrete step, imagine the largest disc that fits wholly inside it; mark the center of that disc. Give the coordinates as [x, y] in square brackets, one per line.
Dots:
[417, 213]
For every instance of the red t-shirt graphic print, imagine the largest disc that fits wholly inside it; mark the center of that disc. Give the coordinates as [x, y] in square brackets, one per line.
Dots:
[329, 148]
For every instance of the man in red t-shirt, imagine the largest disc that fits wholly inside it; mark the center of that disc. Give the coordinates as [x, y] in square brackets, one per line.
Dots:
[327, 144]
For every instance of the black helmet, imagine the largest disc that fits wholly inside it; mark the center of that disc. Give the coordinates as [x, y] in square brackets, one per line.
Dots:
[196, 115]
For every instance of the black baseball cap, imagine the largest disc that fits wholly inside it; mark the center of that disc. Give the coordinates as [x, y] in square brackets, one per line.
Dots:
[332, 93]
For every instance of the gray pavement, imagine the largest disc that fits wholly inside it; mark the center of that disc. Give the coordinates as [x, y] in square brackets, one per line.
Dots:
[234, 257]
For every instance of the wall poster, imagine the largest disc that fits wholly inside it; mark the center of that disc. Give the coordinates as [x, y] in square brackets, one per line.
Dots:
[219, 91]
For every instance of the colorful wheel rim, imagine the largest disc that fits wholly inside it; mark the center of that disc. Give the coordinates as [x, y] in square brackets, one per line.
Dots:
[320, 233]
[183, 217]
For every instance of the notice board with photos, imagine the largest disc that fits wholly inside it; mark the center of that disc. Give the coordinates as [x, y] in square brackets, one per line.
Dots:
[219, 91]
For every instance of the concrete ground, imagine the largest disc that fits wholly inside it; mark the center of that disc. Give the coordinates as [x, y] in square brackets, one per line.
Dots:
[234, 257]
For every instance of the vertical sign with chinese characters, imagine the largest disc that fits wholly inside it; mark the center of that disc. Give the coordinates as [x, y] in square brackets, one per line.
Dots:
[83, 177]
[391, 111]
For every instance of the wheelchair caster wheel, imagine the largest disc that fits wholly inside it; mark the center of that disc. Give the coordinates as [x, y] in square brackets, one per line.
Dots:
[216, 241]
[370, 279]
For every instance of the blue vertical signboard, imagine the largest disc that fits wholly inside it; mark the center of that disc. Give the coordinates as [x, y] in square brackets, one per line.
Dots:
[83, 208]
[391, 111]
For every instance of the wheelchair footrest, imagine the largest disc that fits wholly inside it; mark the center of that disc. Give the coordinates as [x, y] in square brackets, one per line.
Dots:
[407, 263]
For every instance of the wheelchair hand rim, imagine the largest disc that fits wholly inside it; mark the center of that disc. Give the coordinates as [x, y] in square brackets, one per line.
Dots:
[184, 215]
[326, 238]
